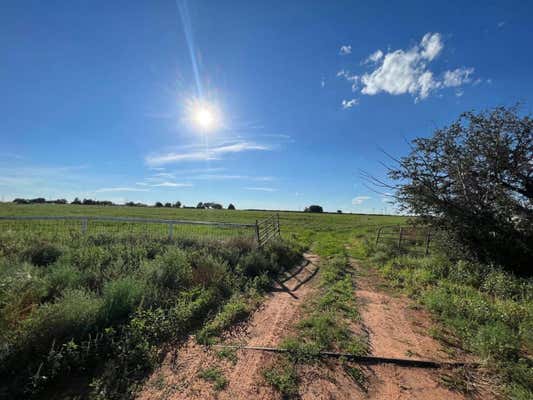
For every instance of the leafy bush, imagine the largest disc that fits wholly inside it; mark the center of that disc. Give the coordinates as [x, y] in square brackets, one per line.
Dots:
[170, 270]
[42, 254]
[121, 297]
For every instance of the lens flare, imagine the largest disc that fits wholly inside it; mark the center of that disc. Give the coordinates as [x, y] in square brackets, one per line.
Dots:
[203, 116]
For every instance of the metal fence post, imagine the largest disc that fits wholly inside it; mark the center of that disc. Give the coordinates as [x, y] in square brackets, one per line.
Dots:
[170, 230]
[400, 239]
[84, 226]
[428, 238]
[257, 232]
[378, 235]
[279, 231]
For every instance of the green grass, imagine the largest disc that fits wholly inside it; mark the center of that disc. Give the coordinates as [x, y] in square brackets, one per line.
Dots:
[214, 375]
[105, 302]
[325, 233]
[324, 327]
[283, 377]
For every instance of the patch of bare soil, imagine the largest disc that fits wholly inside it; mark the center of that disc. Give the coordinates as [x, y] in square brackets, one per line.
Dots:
[397, 329]
[178, 378]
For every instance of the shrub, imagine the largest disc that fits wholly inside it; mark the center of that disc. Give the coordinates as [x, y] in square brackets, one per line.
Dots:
[42, 254]
[77, 312]
[121, 297]
[170, 270]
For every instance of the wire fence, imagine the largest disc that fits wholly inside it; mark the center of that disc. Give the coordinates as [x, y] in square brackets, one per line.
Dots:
[416, 240]
[64, 227]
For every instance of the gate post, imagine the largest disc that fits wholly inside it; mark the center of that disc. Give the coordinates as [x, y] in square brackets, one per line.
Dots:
[257, 232]
[170, 230]
[84, 226]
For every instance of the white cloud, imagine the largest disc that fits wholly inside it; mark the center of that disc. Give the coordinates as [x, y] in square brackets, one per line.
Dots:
[198, 154]
[457, 77]
[358, 200]
[374, 57]
[120, 189]
[262, 189]
[172, 184]
[431, 45]
[345, 50]
[501, 24]
[406, 71]
[349, 103]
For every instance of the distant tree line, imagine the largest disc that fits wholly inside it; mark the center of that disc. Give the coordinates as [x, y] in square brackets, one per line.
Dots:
[39, 200]
[92, 202]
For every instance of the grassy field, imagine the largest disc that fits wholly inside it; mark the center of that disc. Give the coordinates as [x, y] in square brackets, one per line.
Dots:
[323, 233]
[104, 304]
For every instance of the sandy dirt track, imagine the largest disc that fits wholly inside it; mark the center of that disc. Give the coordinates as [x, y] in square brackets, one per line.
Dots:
[394, 328]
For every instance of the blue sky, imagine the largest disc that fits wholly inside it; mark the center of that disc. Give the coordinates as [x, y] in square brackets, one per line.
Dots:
[99, 98]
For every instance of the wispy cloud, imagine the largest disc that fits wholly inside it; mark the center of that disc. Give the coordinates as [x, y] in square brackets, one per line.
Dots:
[352, 78]
[457, 77]
[345, 50]
[374, 57]
[358, 200]
[349, 103]
[198, 154]
[120, 189]
[172, 184]
[233, 177]
[262, 189]
[407, 71]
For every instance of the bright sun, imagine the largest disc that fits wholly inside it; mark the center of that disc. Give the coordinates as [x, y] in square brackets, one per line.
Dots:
[204, 117]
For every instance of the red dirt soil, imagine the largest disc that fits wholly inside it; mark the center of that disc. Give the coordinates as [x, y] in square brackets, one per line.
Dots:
[395, 330]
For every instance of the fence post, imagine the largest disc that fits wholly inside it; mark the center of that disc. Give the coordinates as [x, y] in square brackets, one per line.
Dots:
[378, 235]
[170, 230]
[257, 232]
[428, 238]
[279, 231]
[84, 226]
[400, 239]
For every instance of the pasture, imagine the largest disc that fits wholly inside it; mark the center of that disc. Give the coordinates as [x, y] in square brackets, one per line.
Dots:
[102, 303]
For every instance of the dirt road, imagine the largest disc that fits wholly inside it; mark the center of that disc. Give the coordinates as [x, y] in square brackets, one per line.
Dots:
[398, 330]
[395, 329]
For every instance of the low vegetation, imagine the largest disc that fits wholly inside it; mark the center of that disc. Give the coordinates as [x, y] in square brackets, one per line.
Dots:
[324, 327]
[480, 308]
[103, 307]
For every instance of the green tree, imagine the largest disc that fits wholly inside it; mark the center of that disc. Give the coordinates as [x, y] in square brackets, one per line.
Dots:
[474, 179]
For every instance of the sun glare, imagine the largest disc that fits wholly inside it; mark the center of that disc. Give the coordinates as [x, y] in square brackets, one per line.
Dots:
[203, 116]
